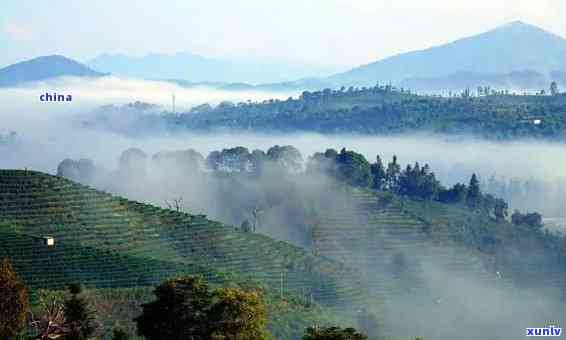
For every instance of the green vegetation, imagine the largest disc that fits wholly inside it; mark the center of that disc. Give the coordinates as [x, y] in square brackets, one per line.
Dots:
[79, 318]
[333, 333]
[13, 302]
[104, 241]
[185, 308]
[386, 110]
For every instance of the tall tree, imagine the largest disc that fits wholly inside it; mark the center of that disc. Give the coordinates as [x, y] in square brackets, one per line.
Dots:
[14, 303]
[378, 174]
[392, 174]
[473, 197]
[500, 209]
[79, 317]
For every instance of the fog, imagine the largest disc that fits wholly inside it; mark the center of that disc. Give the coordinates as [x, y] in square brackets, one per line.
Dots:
[446, 297]
[48, 132]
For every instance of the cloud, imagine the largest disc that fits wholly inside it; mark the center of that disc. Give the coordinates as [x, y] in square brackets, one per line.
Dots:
[19, 31]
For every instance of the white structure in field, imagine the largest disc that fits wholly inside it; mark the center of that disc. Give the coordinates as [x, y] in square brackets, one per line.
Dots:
[49, 241]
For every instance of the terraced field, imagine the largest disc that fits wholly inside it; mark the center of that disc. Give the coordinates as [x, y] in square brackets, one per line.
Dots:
[407, 253]
[108, 241]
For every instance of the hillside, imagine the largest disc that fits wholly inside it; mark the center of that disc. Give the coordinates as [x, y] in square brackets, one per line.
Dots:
[43, 68]
[420, 257]
[385, 110]
[514, 47]
[109, 242]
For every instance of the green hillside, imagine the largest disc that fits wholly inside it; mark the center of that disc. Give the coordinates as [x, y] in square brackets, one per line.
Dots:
[411, 250]
[105, 241]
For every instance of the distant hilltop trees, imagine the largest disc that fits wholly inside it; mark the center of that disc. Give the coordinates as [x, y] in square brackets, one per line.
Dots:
[386, 109]
[345, 166]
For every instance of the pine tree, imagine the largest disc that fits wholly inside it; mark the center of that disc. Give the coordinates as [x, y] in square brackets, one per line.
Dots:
[14, 303]
[79, 317]
[378, 174]
[474, 194]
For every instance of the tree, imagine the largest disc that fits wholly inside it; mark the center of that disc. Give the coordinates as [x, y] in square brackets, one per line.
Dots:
[500, 209]
[332, 333]
[286, 157]
[533, 220]
[392, 174]
[185, 309]
[258, 159]
[553, 88]
[179, 163]
[51, 321]
[179, 312]
[246, 227]
[119, 334]
[456, 194]
[354, 169]
[238, 315]
[79, 318]
[473, 197]
[14, 303]
[378, 174]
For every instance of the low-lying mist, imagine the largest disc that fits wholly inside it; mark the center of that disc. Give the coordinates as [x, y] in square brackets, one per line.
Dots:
[527, 173]
[450, 303]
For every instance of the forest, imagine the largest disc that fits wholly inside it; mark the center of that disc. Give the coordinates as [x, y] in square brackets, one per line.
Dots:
[384, 109]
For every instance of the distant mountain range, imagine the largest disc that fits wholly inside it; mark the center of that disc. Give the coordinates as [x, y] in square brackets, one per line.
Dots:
[514, 56]
[43, 68]
[511, 49]
[196, 68]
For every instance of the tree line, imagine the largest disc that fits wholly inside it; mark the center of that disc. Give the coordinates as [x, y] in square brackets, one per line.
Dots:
[384, 109]
[347, 166]
[183, 308]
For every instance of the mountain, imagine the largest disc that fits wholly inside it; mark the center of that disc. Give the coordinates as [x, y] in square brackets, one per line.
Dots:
[196, 68]
[42, 68]
[513, 47]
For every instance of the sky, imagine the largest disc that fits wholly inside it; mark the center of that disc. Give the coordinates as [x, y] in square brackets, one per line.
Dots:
[343, 33]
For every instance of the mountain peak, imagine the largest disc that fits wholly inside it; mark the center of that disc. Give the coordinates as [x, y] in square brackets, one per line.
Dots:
[516, 23]
[514, 47]
[42, 68]
[520, 27]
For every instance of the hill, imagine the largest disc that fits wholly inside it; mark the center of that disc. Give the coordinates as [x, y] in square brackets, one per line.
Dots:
[514, 47]
[418, 256]
[385, 110]
[197, 68]
[43, 68]
[110, 242]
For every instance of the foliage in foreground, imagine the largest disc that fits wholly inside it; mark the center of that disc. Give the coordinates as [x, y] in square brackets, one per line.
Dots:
[333, 333]
[185, 308]
[14, 303]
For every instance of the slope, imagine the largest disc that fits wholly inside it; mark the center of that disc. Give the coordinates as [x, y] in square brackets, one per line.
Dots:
[107, 241]
[417, 257]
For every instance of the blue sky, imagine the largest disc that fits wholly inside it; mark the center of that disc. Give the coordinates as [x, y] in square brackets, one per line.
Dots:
[323, 32]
